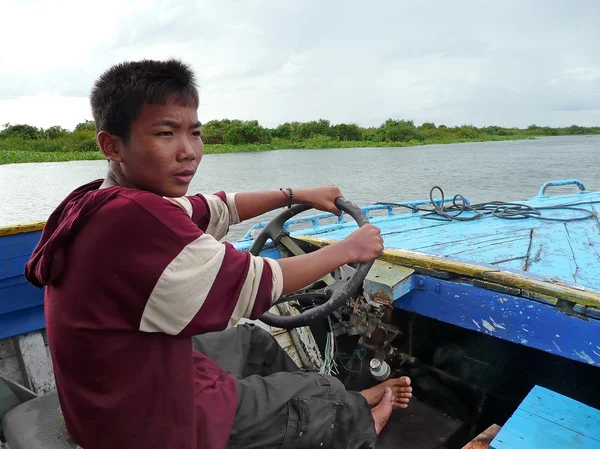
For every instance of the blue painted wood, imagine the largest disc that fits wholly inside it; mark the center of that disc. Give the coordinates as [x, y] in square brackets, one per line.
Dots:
[567, 252]
[583, 240]
[510, 318]
[21, 304]
[22, 321]
[13, 267]
[548, 420]
[18, 245]
[20, 296]
[551, 252]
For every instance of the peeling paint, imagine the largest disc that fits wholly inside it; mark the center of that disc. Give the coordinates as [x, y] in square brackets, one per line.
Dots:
[596, 353]
[488, 326]
[502, 300]
[524, 341]
[557, 347]
[583, 356]
[477, 324]
[558, 336]
[499, 326]
[526, 330]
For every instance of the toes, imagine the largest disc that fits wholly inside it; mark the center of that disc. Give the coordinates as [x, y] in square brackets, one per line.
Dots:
[402, 382]
[388, 394]
[404, 392]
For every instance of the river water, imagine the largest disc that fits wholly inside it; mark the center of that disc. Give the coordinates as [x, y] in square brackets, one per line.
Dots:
[503, 171]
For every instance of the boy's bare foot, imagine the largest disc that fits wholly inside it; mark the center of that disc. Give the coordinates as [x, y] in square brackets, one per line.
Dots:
[401, 391]
[382, 411]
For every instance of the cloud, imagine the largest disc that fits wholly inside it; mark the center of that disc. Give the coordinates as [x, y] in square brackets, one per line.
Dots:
[508, 63]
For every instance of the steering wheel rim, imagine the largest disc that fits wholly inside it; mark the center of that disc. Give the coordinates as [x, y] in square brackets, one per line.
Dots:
[340, 291]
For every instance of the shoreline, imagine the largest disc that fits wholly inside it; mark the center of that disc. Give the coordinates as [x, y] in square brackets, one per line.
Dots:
[8, 157]
[23, 157]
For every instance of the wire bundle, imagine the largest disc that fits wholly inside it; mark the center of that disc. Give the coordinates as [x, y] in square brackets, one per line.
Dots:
[499, 209]
[329, 367]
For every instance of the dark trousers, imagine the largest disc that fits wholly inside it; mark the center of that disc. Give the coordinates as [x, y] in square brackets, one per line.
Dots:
[280, 406]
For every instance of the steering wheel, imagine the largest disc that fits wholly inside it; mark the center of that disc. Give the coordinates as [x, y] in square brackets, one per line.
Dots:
[337, 293]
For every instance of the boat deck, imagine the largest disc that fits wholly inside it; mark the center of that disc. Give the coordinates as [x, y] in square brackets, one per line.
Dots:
[565, 251]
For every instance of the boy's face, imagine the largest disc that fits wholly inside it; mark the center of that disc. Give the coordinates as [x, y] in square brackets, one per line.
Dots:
[163, 150]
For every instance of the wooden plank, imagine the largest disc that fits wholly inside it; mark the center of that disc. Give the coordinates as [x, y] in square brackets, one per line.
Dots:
[21, 228]
[21, 321]
[562, 254]
[483, 440]
[511, 318]
[7, 348]
[548, 420]
[18, 245]
[550, 253]
[13, 267]
[528, 431]
[33, 357]
[563, 411]
[493, 251]
[537, 284]
[20, 296]
[584, 240]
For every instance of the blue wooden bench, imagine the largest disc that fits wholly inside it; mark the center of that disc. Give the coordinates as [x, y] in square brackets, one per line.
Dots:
[22, 312]
[548, 420]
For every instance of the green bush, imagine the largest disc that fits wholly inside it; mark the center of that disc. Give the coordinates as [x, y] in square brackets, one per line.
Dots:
[27, 132]
[55, 132]
[28, 145]
[22, 143]
[87, 145]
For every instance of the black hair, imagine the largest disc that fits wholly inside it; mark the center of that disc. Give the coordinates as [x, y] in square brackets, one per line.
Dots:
[120, 92]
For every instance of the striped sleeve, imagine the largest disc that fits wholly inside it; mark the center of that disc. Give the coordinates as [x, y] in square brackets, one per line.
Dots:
[210, 286]
[204, 285]
[213, 214]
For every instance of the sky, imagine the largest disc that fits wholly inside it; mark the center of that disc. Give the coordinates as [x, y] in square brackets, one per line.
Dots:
[453, 62]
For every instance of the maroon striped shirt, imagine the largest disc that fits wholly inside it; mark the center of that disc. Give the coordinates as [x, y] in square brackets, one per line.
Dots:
[130, 277]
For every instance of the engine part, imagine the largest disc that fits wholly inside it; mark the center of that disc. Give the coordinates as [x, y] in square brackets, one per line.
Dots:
[380, 370]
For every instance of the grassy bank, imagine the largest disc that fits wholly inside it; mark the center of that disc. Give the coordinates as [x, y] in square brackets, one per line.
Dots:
[25, 143]
[25, 156]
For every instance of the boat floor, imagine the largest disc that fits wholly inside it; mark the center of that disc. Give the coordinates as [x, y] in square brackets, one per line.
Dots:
[420, 426]
[567, 251]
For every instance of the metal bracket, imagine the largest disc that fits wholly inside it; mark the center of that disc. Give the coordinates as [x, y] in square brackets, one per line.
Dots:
[387, 282]
[563, 182]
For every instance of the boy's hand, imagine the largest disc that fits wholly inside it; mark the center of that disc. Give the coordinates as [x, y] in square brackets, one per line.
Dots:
[364, 244]
[321, 198]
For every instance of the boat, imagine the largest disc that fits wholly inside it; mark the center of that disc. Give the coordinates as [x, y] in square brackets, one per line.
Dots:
[493, 309]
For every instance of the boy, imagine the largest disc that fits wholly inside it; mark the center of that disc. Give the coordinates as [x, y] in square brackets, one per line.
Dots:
[134, 269]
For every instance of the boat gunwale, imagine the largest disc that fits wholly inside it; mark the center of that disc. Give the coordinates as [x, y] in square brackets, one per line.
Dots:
[22, 228]
[526, 281]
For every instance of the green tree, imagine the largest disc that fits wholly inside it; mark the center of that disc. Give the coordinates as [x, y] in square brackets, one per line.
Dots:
[88, 125]
[55, 132]
[26, 132]
[399, 131]
[348, 132]
[284, 131]
[316, 127]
